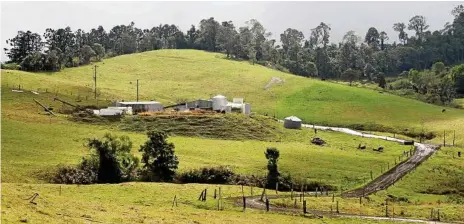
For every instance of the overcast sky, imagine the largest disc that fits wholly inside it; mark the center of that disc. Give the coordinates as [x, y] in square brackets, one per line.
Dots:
[275, 16]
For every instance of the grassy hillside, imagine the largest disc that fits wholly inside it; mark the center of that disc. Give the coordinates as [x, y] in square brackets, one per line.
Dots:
[33, 144]
[169, 75]
[136, 203]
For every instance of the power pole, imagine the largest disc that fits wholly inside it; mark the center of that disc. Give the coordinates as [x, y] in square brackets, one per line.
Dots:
[95, 80]
[137, 90]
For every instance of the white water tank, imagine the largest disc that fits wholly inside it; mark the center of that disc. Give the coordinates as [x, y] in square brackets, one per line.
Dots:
[292, 122]
[219, 102]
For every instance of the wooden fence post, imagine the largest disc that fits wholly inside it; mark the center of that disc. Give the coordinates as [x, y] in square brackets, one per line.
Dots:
[244, 203]
[291, 193]
[431, 214]
[304, 207]
[333, 197]
[444, 138]
[204, 196]
[372, 177]
[338, 211]
[316, 191]
[267, 204]
[386, 208]
[214, 193]
[277, 188]
[60, 190]
[438, 215]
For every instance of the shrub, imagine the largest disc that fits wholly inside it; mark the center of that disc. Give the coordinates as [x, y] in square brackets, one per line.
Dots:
[11, 66]
[73, 175]
[272, 156]
[210, 175]
[160, 163]
[110, 162]
[85, 173]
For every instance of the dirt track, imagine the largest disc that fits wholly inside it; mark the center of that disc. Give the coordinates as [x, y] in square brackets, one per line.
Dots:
[421, 153]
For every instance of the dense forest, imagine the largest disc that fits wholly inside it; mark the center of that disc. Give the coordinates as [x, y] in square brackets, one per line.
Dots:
[372, 57]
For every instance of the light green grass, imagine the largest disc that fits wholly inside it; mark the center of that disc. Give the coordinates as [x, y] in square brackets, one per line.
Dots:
[167, 75]
[136, 203]
[437, 184]
[34, 144]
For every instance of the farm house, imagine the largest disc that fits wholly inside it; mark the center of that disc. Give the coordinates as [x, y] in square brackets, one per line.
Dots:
[137, 107]
[292, 122]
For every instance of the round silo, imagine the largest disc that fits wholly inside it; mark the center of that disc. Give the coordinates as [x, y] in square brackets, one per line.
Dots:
[292, 122]
[219, 102]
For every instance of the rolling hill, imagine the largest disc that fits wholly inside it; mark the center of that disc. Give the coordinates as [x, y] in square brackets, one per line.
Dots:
[171, 75]
[34, 144]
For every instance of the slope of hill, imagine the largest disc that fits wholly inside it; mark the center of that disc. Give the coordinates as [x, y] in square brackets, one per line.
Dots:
[33, 144]
[170, 75]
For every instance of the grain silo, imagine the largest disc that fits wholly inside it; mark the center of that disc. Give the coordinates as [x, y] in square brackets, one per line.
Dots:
[292, 122]
[219, 102]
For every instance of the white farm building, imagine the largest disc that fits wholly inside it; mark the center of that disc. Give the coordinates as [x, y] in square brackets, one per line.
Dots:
[143, 106]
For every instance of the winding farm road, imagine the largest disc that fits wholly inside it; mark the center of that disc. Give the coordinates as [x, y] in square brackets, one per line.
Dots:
[421, 153]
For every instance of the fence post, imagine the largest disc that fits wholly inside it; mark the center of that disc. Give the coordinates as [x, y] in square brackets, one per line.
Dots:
[431, 214]
[386, 208]
[316, 191]
[444, 138]
[304, 207]
[214, 193]
[267, 204]
[60, 190]
[372, 176]
[204, 196]
[291, 194]
[337, 208]
[438, 215]
[277, 187]
[244, 203]
[174, 201]
[333, 197]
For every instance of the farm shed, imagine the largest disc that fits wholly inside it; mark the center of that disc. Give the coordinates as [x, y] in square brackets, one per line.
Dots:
[146, 106]
[110, 112]
[202, 104]
[125, 110]
[292, 122]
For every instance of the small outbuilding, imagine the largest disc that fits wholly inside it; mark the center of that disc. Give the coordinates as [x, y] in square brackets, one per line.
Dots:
[110, 112]
[292, 122]
[137, 107]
